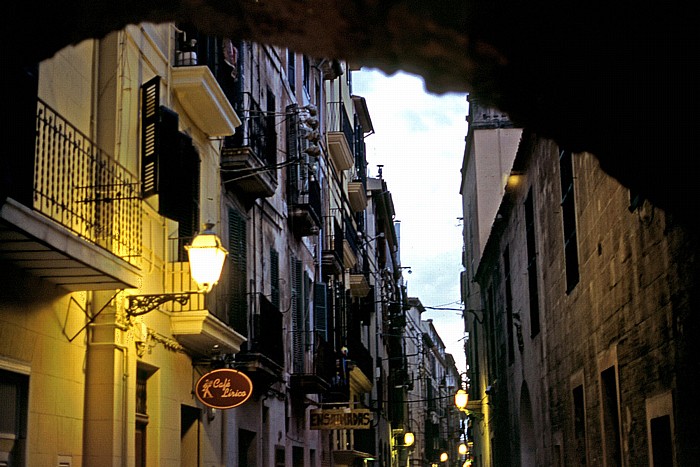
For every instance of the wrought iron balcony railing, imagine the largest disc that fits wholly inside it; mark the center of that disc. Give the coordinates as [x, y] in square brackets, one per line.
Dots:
[338, 121]
[304, 200]
[267, 335]
[83, 189]
[315, 373]
[332, 245]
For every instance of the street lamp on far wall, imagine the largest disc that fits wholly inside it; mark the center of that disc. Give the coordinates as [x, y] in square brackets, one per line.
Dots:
[461, 399]
[408, 439]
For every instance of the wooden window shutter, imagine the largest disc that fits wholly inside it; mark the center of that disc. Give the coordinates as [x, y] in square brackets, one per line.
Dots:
[308, 286]
[297, 317]
[179, 184]
[275, 278]
[238, 302]
[320, 309]
[150, 115]
[292, 152]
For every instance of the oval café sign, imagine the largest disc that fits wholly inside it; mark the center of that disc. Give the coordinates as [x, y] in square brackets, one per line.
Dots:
[224, 388]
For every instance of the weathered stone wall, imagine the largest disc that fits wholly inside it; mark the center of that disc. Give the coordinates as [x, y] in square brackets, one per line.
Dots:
[631, 309]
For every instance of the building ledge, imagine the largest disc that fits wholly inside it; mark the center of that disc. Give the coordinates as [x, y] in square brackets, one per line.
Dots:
[199, 331]
[349, 256]
[240, 167]
[204, 100]
[347, 457]
[46, 249]
[359, 287]
[340, 150]
[357, 196]
[359, 382]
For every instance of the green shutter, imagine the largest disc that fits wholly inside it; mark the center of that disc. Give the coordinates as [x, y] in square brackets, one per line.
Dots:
[292, 152]
[307, 305]
[238, 298]
[297, 317]
[320, 309]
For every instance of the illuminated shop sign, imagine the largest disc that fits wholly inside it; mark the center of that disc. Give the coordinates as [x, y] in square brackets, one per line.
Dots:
[224, 388]
[341, 419]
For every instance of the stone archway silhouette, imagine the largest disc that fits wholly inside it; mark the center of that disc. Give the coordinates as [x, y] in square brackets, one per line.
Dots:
[568, 71]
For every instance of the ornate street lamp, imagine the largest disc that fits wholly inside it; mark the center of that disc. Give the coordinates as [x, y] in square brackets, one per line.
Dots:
[461, 399]
[206, 258]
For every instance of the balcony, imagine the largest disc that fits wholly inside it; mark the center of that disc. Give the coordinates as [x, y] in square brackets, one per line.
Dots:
[193, 325]
[204, 100]
[357, 196]
[249, 158]
[241, 167]
[340, 137]
[73, 214]
[318, 369]
[349, 447]
[332, 260]
[262, 358]
[304, 202]
[361, 367]
[350, 247]
[359, 286]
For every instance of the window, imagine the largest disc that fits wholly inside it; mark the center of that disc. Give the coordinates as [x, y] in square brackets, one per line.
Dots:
[509, 306]
[14, 389]
[275, 278]
[659, 410]
[190, 428]
[661, 441]
[279, 456]
[142, 375]
[568, 212]
[246, 448]
[270, 131]
[169, 165]
[579, 425]
[291, 70]
[298, 316]
[238, 267]
[306, 70]
[297, 455]
[532, 265]
[611, 420]
[321, 310]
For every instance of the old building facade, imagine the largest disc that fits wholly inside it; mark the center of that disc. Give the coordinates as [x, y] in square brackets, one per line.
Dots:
[581, 331]
[128, 147]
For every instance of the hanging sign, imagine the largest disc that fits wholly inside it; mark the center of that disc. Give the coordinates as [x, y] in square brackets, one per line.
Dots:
[341, 419]
[224, 388]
